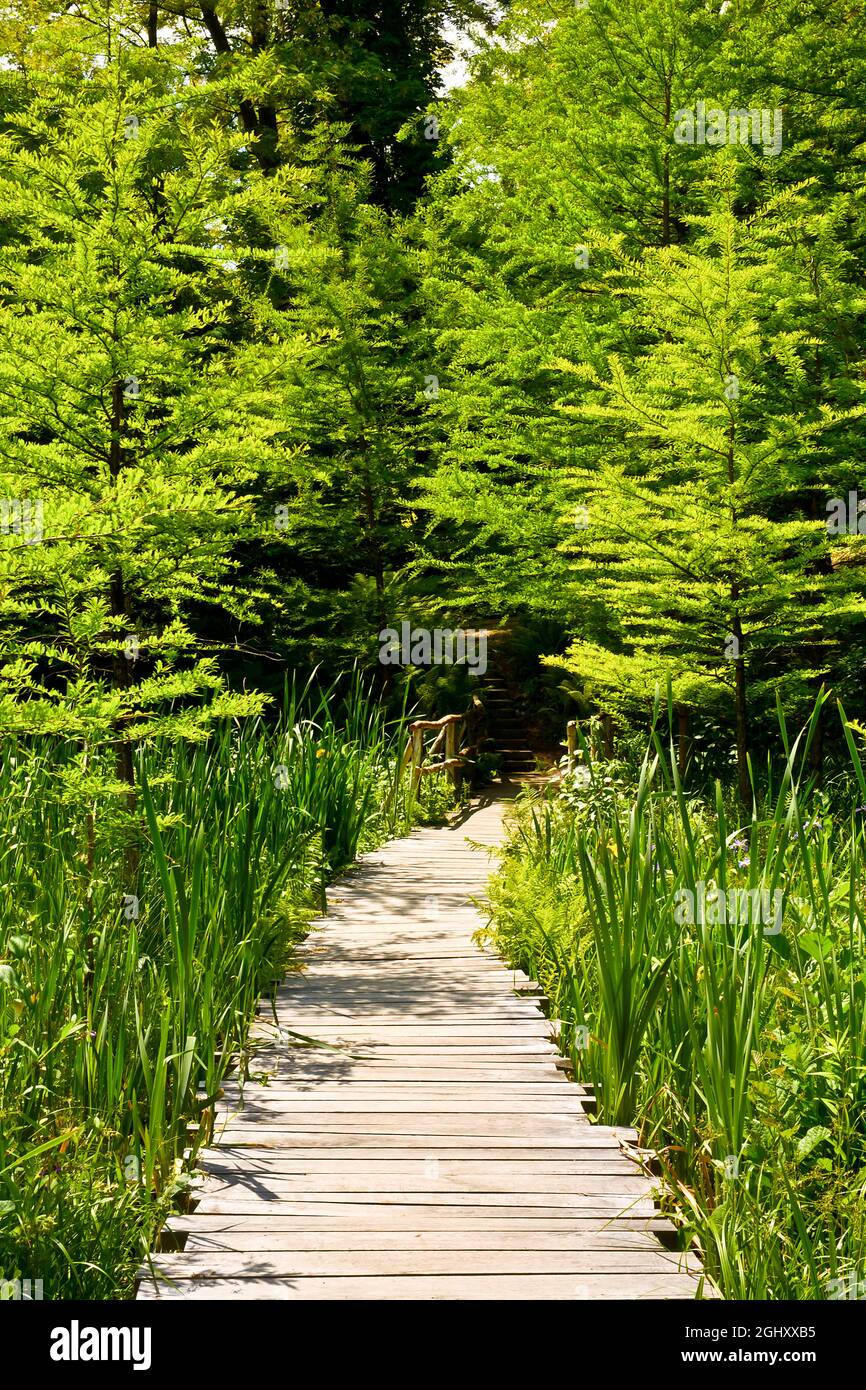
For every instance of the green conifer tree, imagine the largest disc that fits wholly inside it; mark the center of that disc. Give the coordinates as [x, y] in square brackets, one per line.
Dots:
[131, 421]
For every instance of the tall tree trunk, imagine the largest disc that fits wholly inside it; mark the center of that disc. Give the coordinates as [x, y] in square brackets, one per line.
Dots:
[377, 568]
[266, 116]
[117, 593]
[121, 665]
[666, 173]
[262, 123]
[740, 698]
[742, 716]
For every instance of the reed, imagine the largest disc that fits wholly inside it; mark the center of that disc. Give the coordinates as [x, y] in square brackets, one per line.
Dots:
[128, 981]
[737, 1049]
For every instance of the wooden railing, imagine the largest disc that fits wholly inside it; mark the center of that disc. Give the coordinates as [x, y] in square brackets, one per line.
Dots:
[446, 743]
[599, 749]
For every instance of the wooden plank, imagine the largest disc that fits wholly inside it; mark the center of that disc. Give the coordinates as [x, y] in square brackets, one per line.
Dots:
[387, 972]
[381, 1010]
[458, 1054]
[285, 1163]
[340, 1220]
[571, 1129]
[518, 1022]
[359, 1089]
[519, 1288]
[326, 1067]
[312, 990]
[274, 1186]
[277, 1264]
[389, 1050]
[395, 1030]
[363, 1032]
[585, 1241]
[456, 1077]
[310, 1105]
[232, 1197]
[263, 1137]
[400, 975]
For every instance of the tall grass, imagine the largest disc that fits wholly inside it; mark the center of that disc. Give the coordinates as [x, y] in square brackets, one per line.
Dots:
[739, 1052]
[128, 981]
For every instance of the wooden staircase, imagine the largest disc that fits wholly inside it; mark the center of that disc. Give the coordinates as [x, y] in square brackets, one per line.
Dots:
[504, 727]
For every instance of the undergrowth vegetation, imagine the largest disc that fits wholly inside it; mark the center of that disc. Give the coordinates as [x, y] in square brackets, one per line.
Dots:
[134, 947]
[734, 1037]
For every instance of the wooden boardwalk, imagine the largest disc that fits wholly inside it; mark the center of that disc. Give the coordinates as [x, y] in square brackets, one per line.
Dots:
[433, 1150]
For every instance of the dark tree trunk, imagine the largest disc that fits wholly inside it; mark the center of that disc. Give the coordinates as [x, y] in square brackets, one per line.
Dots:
[607, 735]
[262, 123]
[666, 175]
[376, 563]
[117, 591]
[742, 716]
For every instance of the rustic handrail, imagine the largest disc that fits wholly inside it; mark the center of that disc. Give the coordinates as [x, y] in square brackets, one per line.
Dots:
[448, 728]
[437, 723]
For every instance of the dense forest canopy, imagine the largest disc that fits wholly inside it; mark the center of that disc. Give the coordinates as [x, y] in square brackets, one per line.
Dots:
[297, 344]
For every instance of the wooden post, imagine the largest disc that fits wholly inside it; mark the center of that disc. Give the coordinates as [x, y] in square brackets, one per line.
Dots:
[451, 751]
[607, 735]
[571, 738]
[417, 756]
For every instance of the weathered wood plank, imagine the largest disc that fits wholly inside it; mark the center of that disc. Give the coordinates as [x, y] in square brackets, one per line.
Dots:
[294, 1241]
[388, 1051]
[622, 1186]
[232, 1197]
[360, 1089]
[326, 1069]
[294, 1264]
[285, 1163]
[617, 1194]
[393, 1029]
[520, 1288]
[239, 1142]
[310, 1105]
[569, 1129]
[339, 1220]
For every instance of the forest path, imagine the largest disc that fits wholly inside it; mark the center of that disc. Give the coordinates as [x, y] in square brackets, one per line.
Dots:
[433, 1150]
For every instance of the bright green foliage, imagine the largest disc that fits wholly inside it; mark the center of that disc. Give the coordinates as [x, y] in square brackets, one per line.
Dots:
[708, 569]
[351, 418]
[129, 417]
[649, 349]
